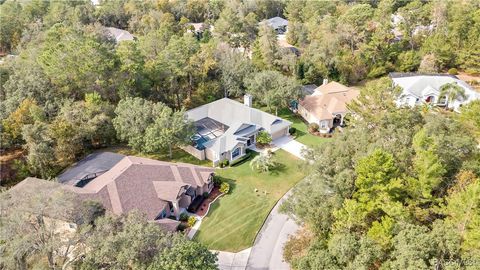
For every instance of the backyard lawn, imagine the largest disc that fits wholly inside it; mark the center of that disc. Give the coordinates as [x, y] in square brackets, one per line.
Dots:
[234, 219]
[302, 134]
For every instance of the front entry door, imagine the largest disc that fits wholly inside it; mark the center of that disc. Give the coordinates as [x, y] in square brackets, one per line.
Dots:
[251, 140]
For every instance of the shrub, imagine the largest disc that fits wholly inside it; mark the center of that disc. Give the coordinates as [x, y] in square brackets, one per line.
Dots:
[292, 130]
[205, 194]
[474, 82]
[313, 127]
[224, 187]
[262, 162]
[181, 227]
[263, 138]
[183, 217]
[453, 71]
[217, 181]
[224, 163]
[191, 221]
[376, 72]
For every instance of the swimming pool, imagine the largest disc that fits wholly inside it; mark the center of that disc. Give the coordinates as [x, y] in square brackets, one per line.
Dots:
[199, 141]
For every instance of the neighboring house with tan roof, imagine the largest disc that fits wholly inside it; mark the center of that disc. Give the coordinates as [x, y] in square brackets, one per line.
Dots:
[327, 105]
[155, 188]
[227, 128]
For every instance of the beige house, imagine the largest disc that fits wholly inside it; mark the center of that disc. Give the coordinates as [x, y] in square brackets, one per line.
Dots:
[155, 188]
[327, 105]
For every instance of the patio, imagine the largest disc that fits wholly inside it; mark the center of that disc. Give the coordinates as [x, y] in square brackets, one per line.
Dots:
[207, 129]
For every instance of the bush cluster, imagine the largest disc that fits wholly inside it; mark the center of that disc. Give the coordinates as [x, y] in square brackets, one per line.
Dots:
[225, 187]
[191, 221]
[313, 127]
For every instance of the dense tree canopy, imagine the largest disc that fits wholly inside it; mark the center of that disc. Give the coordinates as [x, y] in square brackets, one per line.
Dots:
[386, 193]
[34, 235]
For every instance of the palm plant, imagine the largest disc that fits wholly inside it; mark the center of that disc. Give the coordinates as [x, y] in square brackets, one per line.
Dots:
[262, 163]
[452, 91]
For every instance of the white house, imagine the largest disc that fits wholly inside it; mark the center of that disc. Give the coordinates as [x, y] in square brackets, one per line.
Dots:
[278, 24]
[227, 128]
[119, 34]
[425, 88]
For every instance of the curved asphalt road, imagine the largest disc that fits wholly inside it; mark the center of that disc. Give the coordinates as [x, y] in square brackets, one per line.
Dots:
[267, 251]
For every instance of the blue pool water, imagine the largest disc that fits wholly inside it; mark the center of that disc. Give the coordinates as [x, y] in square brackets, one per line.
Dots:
[199, 141]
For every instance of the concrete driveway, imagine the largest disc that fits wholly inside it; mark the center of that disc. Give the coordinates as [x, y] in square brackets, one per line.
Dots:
[290, 145]
[232, 261]
[267, 251]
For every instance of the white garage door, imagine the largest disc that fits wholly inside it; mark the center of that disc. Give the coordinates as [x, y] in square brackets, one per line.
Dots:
[279, 133]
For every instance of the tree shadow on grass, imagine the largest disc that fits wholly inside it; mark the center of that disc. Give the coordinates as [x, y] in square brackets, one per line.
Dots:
[299, 133]
[277, 169]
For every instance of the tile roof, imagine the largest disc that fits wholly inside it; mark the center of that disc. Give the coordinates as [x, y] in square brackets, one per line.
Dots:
[329, 99]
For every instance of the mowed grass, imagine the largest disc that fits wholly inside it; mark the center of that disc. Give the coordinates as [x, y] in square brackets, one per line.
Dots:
[302, 135]
[234, 219]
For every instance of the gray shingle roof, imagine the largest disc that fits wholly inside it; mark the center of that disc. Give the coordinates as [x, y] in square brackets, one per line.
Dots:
[93, 163]
[119, 34]
[134, 183]
[418, 84]
[277, 22]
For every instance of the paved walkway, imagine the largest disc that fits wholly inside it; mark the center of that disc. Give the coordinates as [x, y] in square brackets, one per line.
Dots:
[267, 251]
[233, 261]
[290, 145]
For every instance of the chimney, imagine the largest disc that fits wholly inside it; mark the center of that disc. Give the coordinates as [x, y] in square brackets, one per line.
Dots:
[247, 100]
[325, 81]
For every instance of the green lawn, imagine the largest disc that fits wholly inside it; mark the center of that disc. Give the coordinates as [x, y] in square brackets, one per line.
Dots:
[235, 218]
[302, 134]
[178, 155]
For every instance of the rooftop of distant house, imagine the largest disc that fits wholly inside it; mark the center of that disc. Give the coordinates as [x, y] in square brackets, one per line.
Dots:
[329, 99]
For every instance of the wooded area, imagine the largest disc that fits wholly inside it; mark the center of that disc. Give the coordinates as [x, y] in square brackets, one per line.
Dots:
[68, 74]
[399, 189]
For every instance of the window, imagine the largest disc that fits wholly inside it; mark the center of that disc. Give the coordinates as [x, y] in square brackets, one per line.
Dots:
[236, 152]
[162, 214]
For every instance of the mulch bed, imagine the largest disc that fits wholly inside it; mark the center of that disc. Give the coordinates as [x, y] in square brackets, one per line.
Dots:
[202, 210]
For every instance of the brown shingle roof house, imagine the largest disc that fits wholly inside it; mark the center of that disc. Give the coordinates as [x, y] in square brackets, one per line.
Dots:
[327, 105]
[155, 188]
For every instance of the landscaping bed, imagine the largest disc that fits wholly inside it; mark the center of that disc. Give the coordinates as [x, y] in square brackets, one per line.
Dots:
[202, 210]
